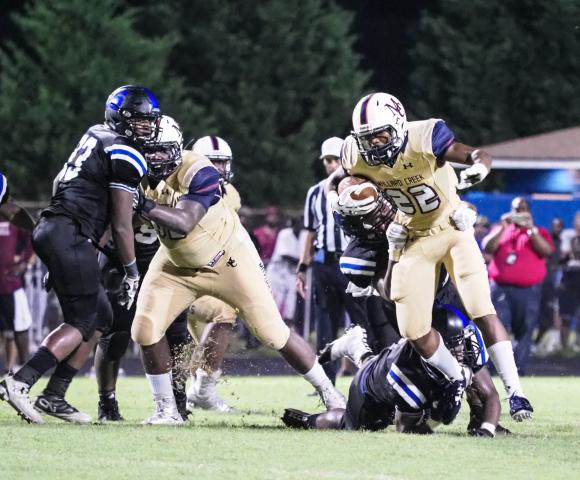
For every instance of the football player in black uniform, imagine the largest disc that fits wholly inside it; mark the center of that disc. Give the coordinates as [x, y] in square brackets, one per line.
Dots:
[398, 387]
[95, 188]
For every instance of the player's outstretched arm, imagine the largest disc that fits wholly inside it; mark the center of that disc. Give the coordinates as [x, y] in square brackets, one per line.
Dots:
[483, 389]
[180, 219]
[477, 160]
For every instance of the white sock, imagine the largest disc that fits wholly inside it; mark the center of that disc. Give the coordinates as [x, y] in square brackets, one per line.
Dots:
[160, 385]
[443, 361]
[502, 356]
[317, 376]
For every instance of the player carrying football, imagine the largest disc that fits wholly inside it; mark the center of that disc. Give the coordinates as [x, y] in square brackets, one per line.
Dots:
[409, 162]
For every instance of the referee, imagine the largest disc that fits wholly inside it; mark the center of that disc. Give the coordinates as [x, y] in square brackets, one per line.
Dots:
[325, 242]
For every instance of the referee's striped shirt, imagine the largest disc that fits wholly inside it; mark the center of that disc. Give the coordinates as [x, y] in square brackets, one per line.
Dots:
[319, 218]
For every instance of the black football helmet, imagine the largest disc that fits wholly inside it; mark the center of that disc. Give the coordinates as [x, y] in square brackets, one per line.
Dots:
[460, 335]
[134, 112]
[370, 227]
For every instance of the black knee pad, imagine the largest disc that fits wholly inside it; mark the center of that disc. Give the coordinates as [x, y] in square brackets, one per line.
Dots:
[114, 345]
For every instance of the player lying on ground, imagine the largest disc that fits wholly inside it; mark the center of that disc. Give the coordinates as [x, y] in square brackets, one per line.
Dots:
[410, 163]
[94, 189]
[410, 396]
[205, 251]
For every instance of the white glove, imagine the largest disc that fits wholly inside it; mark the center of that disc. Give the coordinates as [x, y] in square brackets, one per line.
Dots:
[464, 218]
[128, 291]
[472, 175]
[397, 235]
[346, 205]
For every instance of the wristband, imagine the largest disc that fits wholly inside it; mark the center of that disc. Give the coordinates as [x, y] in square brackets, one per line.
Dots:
[490, 427]
[131, 269]
[148, 205]
[302, 267]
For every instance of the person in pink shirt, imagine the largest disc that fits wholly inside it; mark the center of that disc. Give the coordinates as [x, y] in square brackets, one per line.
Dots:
[268, 233]
[517, 269]
[15, 253]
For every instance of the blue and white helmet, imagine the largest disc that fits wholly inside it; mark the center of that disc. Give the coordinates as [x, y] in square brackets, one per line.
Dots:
[374, 114]
[3, 189]
[219, 153]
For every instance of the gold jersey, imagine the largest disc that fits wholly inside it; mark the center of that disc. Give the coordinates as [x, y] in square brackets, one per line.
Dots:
[232, 197]
[219, 228]
[425, 193]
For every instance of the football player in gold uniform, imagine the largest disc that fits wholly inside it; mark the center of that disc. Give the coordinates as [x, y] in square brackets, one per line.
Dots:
[211, 320]
[204, 251]
[409, 161]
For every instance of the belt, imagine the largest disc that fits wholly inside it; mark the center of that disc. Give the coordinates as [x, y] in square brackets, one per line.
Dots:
[434, 230]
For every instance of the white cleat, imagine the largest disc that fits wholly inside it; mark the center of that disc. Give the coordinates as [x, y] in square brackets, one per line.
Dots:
[331, 397]
[165, 413]
[203, 393]
[16, 394]
[353, 345]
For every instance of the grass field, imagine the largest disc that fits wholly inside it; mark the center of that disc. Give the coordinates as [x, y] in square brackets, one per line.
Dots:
[255, 444]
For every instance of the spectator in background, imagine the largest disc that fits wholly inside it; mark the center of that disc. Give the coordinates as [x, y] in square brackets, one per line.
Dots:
[549, 321]
[267, 234]
[569, 295]
[480, 231]
[15, 320]
[517, 269]
[281, 270]
[324, 244]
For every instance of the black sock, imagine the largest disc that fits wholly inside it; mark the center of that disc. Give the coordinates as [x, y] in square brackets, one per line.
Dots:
[107, 397]
[61, 379]
[40, 363]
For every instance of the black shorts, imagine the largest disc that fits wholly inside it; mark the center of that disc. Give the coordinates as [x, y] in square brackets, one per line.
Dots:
[74, 272]
[7, 311]
[569, 296]
[362, 413]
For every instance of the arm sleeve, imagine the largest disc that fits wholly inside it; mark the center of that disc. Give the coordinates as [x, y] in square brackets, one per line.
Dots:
[310, 222]
[204, 187]
[442, 138]
[128, 166]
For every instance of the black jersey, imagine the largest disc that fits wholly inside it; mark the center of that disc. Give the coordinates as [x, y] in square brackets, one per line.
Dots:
[102, 160]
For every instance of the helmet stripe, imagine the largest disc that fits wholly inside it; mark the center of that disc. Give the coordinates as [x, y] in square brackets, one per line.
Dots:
[214, 142]
[363, 110]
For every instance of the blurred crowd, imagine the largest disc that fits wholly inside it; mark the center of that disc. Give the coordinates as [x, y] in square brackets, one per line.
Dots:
[534, 272]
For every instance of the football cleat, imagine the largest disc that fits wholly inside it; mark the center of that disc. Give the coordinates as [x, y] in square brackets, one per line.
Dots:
[16, 394]
[203, 393]
[520, 408]
[108, 411]
[353, 345]
[165, 413]
[296, 418]
[56, 406]
[331, 397]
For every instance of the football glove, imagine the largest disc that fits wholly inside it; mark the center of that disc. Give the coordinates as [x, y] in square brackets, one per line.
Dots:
[128, 291]
[472, 175]
[347, 205]
[141, 204]
[464, 218]
[397, 235]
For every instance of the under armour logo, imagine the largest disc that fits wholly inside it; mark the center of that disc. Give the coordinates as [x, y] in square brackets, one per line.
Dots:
[232, 263]
[407, 165]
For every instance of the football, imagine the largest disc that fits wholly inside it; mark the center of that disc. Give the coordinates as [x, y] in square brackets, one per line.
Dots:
[368, 190]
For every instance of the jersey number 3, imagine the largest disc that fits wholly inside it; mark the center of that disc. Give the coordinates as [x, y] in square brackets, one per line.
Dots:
[425, 197]
[74, 163]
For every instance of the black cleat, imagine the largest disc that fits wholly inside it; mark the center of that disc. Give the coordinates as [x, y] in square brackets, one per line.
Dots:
[109, 411]
[296, 418]
[56, 406]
